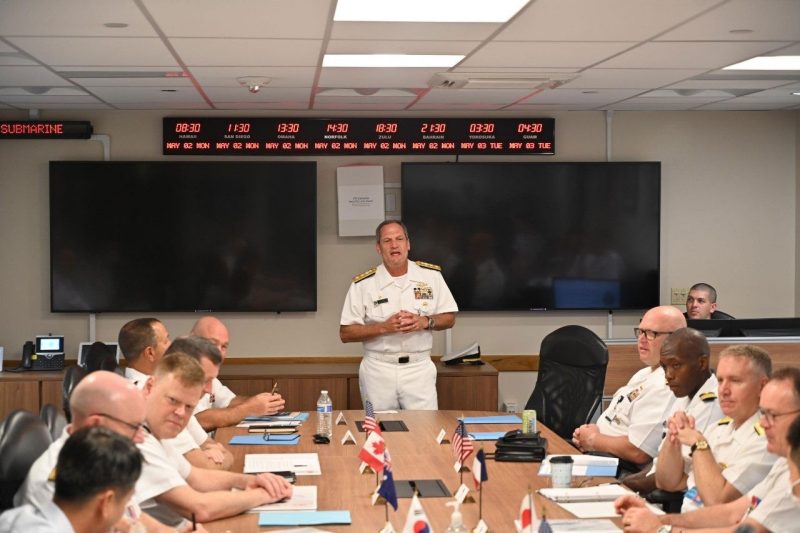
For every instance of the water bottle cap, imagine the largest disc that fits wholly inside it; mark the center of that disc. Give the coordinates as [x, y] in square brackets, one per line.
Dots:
[324, 392]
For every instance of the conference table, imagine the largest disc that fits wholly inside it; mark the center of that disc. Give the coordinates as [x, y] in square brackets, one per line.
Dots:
[415, 454]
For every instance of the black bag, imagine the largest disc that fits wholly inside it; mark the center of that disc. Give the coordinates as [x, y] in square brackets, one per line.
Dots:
[521, 447]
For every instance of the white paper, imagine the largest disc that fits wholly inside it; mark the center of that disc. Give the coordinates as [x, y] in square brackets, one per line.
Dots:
[596, 526]
[597, 509]
[341, 419]
[461, 493]
[304, 498]
[600, 493]
[440, 437]
[270, 423]
[302, 464]
[348, 437]
[580, 464]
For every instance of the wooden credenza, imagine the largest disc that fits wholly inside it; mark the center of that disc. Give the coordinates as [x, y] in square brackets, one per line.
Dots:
[459, 387]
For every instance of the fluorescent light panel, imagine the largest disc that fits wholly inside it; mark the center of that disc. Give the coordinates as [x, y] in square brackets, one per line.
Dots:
[389, 60]
[768, 63]
[427, 10]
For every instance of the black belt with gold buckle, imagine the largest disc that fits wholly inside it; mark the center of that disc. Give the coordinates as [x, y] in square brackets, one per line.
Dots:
[403, 360]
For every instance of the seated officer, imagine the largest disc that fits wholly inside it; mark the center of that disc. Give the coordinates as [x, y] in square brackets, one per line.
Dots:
[170, 487]
[733, 457]
[86, 500]
[685, 358]
[222, 407]
[701, 303]
[769, 506]
[632, 426]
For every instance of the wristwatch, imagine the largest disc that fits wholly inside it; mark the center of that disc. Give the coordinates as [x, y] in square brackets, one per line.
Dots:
[664, 529]
[699, 445]
[431, 323]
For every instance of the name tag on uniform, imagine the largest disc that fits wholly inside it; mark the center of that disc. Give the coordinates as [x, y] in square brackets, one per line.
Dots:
[380, 301]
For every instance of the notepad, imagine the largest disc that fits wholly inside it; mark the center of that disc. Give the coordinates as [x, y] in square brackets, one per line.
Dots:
[259, 440]
[498, 419]
[586, 465]
[303, 518]
[302, 464]
[304, 498]
[600, 493]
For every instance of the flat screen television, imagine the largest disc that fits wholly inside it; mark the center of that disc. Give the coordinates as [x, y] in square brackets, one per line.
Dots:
[183, 236]
[538, 236]
[748, 327]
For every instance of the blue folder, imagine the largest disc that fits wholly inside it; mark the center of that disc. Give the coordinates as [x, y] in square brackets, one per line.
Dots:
[487, 435]
[258, 440]
[303, 518]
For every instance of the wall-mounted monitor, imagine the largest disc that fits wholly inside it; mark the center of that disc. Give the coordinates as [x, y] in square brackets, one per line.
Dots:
[183, 236]
[748, 327]
[538, 236]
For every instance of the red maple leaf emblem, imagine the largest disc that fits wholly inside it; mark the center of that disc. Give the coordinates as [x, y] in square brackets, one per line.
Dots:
[378, 448]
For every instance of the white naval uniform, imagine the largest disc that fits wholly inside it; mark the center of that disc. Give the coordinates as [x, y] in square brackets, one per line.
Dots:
[383, 379]
[163, 469]
[638, 410]
[741, 453]
[39, 485]
[703, 407]
[771, 502]
[191, 437]
[220, 397]
[46, 518]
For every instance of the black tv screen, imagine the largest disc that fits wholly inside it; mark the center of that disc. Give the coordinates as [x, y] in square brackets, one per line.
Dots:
[538, 236]
[183, 236]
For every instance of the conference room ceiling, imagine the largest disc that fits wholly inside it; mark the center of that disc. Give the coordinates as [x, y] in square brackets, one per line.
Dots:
[553, 55]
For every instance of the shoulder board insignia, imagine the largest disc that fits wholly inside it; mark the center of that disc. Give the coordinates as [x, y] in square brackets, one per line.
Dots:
[724, 421]
[52, 476]
[430, 266]
[758, 429]
[364, 275]
[708, 396]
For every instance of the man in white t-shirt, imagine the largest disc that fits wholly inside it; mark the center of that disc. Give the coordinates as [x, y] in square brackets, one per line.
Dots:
[169, 487]
[222, 407]
[393, 309]
[731, 457]
[769, 506]
[632, 426]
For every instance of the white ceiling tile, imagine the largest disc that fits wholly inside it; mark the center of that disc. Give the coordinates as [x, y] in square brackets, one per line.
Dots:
[62, 105]
[468, 106]
[69, 18]
[638, 105]
[290, 19]
[412, 31]
[401, 47]
[770, 20]
[381, 78]
[727, 84]
[75, 51]
[55, 91]
[14, 76]
[688, 55]
[166, 105]
[737, 104]
[233, 94]
[512, 70]
[13, 58]
[543, 54]
[278, 105]
[586, 97]
[248, 52]
[129, 95]
[343, 102]
[279, 76]
[466, 96]
[134, 82]
[590, 20]
[601, 78]
[32, 98]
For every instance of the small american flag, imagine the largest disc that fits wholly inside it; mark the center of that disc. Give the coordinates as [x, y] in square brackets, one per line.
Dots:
[462, 442]
[370, 424]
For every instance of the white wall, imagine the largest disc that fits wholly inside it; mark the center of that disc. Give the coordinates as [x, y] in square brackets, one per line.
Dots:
[728, 217]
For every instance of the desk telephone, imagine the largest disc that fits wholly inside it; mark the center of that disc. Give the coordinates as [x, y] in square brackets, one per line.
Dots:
[521, 447]
[47, 353]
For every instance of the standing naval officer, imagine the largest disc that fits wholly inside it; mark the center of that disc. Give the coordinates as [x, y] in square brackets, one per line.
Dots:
[393, 309]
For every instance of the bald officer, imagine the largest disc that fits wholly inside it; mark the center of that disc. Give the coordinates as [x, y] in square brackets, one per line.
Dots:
[393, 309]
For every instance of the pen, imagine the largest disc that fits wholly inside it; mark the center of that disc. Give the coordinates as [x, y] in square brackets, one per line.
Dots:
[194, 523]
[274, 387]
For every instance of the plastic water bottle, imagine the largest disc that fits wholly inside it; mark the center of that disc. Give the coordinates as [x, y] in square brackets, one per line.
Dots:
[324, 415]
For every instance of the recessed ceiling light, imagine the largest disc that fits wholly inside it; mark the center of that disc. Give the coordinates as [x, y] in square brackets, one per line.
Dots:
[389, 60]
[427, 11]
[741, 31]
[768, 63]
[796, 93]
[115, 25]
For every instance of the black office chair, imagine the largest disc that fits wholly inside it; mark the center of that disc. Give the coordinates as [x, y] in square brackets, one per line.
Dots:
[721, 315]
[25, 438]
[72, 375]
[569, 387]
[55, 421]
[100, 357]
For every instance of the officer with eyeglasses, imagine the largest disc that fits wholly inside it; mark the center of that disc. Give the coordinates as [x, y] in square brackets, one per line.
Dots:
[632, 426]
[770, 505]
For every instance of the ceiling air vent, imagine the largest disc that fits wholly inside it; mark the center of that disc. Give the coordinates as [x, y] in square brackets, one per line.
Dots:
[473, 80]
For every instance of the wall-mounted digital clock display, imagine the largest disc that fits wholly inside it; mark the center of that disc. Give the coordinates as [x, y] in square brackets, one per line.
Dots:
[357, 136]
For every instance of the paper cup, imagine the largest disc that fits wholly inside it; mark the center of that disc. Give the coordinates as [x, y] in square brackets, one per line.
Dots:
[561, 471]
